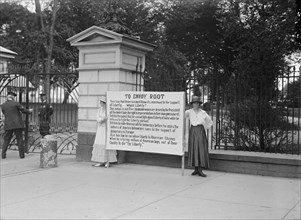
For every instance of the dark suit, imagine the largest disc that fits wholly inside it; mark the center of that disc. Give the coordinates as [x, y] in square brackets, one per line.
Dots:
[13, 123]
[44, 114]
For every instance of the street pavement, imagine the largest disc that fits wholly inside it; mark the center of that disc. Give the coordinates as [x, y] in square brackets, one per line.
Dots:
[77, 190]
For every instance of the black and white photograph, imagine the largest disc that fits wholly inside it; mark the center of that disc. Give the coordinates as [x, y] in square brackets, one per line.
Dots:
[150, 109]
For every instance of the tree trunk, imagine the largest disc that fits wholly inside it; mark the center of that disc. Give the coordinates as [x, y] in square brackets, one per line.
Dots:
[39, 15]
[50, 48]
[40, 24]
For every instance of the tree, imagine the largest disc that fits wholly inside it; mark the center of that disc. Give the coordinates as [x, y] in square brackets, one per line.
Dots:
[193, 28]
[47, 30]
[18, 31]
[298, 23]
[166, 70]
[262, 32]
[72, 17]
[166, 67]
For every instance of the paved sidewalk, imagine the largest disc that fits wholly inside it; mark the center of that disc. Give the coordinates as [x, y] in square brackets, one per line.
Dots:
[76, 190]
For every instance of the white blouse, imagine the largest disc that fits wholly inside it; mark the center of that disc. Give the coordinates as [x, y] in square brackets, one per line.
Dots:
[101, 116]
[200, 118]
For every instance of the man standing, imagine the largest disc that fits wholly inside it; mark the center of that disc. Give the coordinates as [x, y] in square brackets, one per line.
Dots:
[45, 112]
[13, 123]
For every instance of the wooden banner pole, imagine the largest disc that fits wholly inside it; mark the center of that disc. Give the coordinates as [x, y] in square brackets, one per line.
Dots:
[183, 162]
[183, 142]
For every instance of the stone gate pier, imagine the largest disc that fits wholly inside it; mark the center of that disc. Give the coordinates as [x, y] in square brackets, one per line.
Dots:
[108, 61]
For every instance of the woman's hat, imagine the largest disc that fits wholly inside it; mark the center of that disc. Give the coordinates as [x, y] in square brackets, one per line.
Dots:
[196, 99]
[102, 99]
[12, 94]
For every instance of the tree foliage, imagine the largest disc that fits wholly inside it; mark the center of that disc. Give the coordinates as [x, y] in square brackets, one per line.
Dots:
[262, 33]
[17, 30]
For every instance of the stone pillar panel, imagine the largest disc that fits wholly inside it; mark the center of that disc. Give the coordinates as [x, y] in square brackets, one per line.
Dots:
[107, 57]
[132, 60]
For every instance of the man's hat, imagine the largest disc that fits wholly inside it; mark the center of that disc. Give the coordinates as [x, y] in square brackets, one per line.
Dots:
[196, 99]
[12, 94]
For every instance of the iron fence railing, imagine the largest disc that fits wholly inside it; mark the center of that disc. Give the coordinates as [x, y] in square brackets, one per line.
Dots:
[249, 113]
[63, 98]
[261, 114]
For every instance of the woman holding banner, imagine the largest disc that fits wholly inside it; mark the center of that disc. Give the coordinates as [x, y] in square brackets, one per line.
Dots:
[200, 121]
[100, 155]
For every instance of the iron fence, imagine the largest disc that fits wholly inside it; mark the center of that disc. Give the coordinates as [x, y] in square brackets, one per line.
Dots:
[63, 97]
[260, 117]
[249, 113]
[260, 114]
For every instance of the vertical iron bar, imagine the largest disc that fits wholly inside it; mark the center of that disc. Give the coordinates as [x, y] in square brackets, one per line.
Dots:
[26, 116]
[222, 102]
[280, 106]
[293, 112]
[265, 109]
[58, 108]
[136, 73]
[275, 110]
[239, 116]
[285, 105]
[212, 112]
[71, 108]
[251, 127]
[244, 100]
[140, 73]
[255, 118]
[217, 111]
[261, 142]
[299, 106]
[55, 116]
[55, 95]
[269, 114]
[235, 114]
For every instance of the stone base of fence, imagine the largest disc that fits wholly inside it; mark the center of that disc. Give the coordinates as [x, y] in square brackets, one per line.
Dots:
[266, 164]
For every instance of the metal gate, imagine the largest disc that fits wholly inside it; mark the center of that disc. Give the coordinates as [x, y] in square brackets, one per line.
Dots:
[28, 85]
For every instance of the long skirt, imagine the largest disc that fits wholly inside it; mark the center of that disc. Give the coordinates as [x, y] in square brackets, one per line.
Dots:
[99, 152]
[198, 155]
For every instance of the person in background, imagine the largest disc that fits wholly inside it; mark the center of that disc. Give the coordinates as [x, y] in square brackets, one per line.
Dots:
[13, 123]
[200, 121]
[45, 113]
[100, 155]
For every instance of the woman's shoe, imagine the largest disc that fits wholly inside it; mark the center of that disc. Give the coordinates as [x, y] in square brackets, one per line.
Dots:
[195, 172]
[202, 174]
[97, 165]
[107, 165]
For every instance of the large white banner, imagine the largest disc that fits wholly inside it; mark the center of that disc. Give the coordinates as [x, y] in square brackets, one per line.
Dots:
[146, 121]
